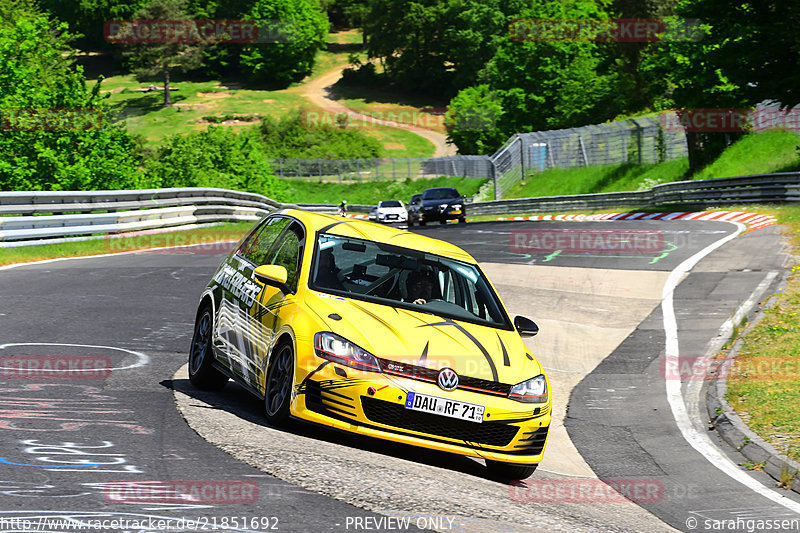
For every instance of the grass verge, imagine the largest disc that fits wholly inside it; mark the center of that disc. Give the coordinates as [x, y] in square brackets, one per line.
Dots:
[764, 383]
[756, 153]
[221, 232]
[610, 178]
[371, 193]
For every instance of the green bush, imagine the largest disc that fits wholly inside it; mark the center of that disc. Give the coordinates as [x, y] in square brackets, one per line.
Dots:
[301, 135]
[55, 133]
[217, 157]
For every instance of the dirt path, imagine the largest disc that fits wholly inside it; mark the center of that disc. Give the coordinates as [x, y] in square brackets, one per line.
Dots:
[318, 91]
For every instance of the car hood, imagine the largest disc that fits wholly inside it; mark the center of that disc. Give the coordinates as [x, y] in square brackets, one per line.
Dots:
[396, 210]
[424, 339]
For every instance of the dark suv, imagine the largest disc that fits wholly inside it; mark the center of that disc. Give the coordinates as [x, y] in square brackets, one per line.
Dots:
[442, 204]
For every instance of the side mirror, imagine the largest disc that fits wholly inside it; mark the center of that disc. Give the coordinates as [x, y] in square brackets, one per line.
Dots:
[274, 275]
[525, 326]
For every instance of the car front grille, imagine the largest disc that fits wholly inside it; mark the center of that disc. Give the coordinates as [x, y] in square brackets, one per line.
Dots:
[396, 415]
[423, 373]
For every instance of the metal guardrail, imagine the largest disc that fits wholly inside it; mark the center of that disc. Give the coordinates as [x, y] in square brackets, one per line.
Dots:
[40, 217]
[28, 218]
[46, 217]
[778, 187]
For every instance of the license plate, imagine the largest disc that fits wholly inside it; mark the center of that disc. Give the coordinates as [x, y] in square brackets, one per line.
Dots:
[442, 406]
[456, 211]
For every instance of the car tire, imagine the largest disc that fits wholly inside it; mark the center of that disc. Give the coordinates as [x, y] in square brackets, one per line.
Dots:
[410, 223]
[462, 220]
[202, 373]
[421, 222]
[509, 471]
[278, 385]
[443, 221]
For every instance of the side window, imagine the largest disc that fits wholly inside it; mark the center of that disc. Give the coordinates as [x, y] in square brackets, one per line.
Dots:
[288, 254]
[258, 246]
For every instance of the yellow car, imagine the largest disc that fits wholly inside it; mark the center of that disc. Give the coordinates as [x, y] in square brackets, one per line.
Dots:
[377, 331]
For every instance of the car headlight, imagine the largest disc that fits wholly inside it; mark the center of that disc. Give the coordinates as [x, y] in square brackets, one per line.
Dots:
[339, 350]
[532, 391]
[456, 206]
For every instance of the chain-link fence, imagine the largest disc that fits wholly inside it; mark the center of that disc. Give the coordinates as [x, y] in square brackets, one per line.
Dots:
[389, 169]
[645, 140]
[638, 141]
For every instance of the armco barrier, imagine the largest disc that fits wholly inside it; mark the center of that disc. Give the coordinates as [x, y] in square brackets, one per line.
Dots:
[36, 217]
[762, 188]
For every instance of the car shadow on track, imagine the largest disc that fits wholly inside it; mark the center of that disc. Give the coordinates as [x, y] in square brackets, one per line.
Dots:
[235, 400]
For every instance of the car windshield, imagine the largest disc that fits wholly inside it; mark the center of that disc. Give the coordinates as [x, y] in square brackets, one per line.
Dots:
[390, 203]
[439, 194]
[399, 277]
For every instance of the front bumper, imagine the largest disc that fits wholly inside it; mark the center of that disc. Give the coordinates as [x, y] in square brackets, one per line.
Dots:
[439, 213]
[511, 432]
[392, 218]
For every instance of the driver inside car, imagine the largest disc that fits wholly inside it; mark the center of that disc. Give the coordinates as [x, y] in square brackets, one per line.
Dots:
[420, 287]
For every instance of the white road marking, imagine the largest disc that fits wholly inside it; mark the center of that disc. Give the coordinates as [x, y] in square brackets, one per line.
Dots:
[696, 439]
[142, 358]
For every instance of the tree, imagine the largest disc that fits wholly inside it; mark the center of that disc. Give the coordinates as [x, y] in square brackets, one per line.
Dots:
[55, 133]
[436, 46]
[87, 18]
[161, 55]
[540, 84]
[635, 92]
[749, 52]
[292, 31]
[472, 120]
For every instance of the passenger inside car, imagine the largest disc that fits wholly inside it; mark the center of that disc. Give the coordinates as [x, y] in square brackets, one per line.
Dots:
[327, 272]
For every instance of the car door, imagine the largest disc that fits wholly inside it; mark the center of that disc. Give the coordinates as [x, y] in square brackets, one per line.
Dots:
[238, 336]
[271, 308]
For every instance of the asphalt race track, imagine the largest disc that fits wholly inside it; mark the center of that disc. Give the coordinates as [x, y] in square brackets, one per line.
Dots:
[102, 446]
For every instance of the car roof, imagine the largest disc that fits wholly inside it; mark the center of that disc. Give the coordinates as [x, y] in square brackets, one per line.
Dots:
[362, 229]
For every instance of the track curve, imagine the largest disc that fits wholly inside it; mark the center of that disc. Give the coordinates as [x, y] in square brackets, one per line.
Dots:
[588, 305]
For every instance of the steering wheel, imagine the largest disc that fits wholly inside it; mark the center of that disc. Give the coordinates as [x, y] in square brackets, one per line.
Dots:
[392, 274]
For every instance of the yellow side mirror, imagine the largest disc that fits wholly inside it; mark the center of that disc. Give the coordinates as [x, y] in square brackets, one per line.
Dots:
[271, 274]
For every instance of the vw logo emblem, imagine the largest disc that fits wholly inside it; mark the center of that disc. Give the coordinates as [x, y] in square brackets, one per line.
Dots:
[448, 379]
